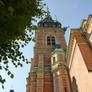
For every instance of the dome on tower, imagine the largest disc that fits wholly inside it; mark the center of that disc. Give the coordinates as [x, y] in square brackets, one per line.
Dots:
[49, 22]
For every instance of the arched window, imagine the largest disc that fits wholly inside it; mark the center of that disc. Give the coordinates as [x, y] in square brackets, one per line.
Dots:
[50, 40]
[53, 40]
[74, 85]
[53, 60]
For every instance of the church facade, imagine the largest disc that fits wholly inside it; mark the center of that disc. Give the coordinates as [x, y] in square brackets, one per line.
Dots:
[79, 57]
[53, 67]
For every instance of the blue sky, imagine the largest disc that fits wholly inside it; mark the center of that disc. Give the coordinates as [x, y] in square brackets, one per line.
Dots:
[69, 13]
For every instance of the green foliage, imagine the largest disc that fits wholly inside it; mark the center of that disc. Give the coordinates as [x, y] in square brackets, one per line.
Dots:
[15, 17]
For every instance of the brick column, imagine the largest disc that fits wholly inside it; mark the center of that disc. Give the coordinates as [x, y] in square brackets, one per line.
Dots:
[40, 74]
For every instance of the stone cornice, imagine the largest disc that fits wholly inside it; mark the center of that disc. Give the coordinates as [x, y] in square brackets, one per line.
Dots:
[48, 29]
[73, 34]
[41, 29]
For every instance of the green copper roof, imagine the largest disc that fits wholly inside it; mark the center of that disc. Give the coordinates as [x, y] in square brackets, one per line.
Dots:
[60, 49]
[57, 42]
[57, 46]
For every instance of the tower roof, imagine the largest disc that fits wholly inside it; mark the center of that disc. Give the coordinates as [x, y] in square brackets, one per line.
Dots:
[49, 22]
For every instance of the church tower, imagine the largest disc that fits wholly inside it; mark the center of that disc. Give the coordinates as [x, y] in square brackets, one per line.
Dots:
[42, 72]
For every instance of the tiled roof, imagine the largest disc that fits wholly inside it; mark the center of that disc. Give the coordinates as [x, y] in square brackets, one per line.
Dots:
[86, 54]
[84, 48]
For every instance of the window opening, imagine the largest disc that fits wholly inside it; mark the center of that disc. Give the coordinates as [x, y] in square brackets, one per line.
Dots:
[53, 40]
[65, 89]
[50, 40]
[45, 25]
[54, 60]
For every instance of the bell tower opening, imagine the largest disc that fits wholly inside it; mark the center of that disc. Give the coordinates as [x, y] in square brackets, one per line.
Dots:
[50, 40]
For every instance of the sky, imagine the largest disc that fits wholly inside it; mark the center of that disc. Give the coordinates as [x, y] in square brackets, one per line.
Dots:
[69, 13]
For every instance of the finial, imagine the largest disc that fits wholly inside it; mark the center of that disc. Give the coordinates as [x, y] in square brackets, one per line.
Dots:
[48, 12]
[55, 17]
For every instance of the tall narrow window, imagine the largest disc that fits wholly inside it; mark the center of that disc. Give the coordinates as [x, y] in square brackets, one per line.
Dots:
[65, 89]
[54, 60]
[50, 40]
[53, 40]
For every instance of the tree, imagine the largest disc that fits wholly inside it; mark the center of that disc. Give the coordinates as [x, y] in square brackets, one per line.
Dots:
[15, 17]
